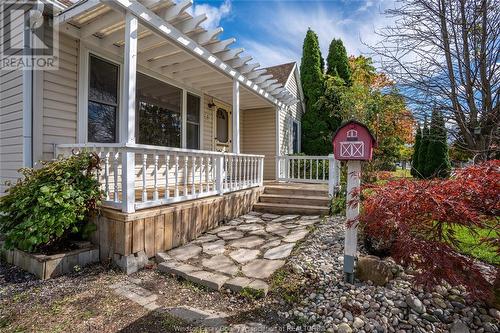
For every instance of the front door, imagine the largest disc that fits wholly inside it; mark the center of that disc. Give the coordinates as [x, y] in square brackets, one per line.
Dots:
[223, 128]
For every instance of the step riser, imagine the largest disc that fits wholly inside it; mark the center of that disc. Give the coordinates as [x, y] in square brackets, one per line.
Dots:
[295, 201]
[288, 210]
[296, 192]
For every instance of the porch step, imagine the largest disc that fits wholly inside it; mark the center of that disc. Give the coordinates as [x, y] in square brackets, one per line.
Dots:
[320, 201]
[284, 209]
[301, 190]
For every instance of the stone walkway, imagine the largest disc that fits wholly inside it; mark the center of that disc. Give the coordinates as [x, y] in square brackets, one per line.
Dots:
[241, 254]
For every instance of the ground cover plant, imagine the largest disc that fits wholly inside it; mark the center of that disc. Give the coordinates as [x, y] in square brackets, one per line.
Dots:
[431, 224]
[50, 204]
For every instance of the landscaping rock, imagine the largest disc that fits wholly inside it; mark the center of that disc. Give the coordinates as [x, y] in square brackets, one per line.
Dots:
[414, 303]
[459, 327]
[371, 268]
[344, 328]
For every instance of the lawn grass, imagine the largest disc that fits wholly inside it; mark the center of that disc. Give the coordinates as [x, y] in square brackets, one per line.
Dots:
[470, 244]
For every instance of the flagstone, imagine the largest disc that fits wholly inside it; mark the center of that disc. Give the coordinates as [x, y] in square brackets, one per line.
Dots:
[220, 263]
[249, 227]
[261, 268]
[205, 238]
[295, 236]
[230, 234]
[216, 247]
[185, 252]
[221, 228]
[284, 218]
[279, 252]
[237, 284]
[247, 242]
[244, 255]
[269, 216]
[271, 243]
[208, 279]
[259, 285]
[260, 232]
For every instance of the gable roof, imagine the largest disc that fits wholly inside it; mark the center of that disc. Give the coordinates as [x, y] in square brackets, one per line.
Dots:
[281, 72]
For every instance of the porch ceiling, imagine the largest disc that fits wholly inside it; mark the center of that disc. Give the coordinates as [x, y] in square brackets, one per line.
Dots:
[172, 43]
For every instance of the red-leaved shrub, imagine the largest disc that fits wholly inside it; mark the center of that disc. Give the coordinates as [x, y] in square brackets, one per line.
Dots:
[418, 217]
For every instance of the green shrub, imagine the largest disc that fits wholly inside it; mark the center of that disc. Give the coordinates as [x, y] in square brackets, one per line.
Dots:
[50, 204]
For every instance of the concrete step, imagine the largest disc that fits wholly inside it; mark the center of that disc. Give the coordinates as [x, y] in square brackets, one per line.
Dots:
[283, 209]
[296, 190]
[295, 200]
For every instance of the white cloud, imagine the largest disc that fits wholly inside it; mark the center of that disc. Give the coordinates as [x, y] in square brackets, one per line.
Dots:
[284, 27]
[214, 14]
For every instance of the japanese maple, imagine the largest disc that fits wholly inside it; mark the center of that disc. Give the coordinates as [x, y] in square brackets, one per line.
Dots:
[419, 218]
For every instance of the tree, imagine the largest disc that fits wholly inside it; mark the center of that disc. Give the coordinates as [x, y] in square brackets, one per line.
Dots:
[416, 151]
[338, 62]
[315, 132]
[421, 169]
[445, 53]
[438, 161]
[419, 218]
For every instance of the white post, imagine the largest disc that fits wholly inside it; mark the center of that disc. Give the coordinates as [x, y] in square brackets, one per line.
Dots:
[236, 116]
[331, 175]
[128, 123]
[352, 212]
[261, 171]
[219, 174]
[277, 136]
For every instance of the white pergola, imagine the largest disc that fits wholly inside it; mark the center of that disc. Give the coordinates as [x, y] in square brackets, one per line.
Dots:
[162, 36]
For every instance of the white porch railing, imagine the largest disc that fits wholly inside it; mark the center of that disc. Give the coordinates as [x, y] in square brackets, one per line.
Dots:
[309, 169]
[165, 175]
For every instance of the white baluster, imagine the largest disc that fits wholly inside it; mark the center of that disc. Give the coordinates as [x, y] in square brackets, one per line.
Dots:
[155, 186]
[167, 169]
[317, 169]
[106, 175]
[186, 175]
[176, 170]
[115, 176]
[144, 189]
[207, 170]
[244, 171]
[227, 175]
[231, 172]
[193, 166]
[324, 166]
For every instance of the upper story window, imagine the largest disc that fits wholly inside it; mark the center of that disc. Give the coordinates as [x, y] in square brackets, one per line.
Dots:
[102, 101]
[193, 122]
[159, 112]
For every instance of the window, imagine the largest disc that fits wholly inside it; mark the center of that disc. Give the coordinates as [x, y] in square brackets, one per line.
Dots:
[102, 101]
[295, 137]
[159, 112]
[222, 125]
[193, 122]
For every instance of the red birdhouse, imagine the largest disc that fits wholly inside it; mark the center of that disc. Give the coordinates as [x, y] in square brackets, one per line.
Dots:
[353, 141]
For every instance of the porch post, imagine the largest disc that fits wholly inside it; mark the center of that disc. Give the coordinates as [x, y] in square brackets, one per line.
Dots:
[127, 133]
[236, 116]
[331, 175]
[277, 138]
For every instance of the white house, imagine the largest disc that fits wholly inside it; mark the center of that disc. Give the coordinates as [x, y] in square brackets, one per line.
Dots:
[175, 113]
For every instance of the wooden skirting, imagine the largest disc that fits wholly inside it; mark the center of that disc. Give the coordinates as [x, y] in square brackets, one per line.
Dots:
[158, 229]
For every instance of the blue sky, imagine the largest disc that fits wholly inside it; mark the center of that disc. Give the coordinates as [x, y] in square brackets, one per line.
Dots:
[272, 31]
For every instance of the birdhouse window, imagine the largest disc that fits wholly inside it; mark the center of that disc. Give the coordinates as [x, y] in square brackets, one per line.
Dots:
[352, 135]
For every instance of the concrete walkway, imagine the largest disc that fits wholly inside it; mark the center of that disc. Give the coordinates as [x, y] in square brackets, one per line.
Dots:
[241, 254]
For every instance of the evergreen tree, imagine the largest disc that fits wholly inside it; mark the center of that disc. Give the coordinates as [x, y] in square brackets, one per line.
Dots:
[314, 129]
[422, 153]
[338, 62]
[438, 161]
[416, 152]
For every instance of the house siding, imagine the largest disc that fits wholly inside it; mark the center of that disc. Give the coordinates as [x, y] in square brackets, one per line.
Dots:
[11, 117]
[258, 136]
[294, 112]
[60, 100]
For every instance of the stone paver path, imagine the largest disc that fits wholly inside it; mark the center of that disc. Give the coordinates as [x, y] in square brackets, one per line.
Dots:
[240, 254]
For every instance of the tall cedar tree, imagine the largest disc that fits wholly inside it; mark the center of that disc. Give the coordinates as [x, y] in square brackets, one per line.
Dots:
[314, 128]
[416, 152]
[438, 161]
[421, 167]
[337, 61]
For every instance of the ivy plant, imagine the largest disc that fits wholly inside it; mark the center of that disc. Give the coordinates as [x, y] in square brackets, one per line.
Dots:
[50, 204]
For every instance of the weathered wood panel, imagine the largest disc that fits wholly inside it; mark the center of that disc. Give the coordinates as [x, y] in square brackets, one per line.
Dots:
[160, 229]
